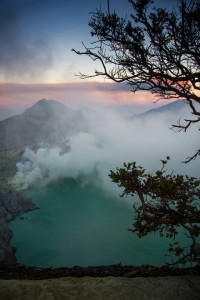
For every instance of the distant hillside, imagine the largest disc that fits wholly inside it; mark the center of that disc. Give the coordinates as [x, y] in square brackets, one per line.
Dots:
[50, 123]
[173, 107]
[46, 110]
[47, 121]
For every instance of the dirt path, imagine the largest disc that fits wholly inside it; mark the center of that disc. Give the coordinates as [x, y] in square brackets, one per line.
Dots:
[151, 288]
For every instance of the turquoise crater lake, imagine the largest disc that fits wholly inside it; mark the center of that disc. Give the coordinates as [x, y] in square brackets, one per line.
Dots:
[79, 225]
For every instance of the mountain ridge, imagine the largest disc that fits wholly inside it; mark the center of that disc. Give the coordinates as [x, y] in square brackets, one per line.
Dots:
[44, 122]
[45, 109]
[169, 107]
[49, 121]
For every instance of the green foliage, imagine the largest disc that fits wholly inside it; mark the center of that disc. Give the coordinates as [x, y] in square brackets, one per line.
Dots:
[163, 203]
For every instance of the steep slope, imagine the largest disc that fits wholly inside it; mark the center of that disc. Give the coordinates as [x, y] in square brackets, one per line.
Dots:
[173, 107]
[169, 113]
[47, 122]
[46, 110]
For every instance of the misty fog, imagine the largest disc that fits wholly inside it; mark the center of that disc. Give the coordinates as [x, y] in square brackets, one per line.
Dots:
[82, 220]
[104, 141]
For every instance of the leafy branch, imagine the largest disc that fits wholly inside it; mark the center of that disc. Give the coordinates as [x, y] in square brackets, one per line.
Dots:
[163, 203]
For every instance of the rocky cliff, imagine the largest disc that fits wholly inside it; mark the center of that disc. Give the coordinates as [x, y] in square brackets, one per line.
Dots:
[12, 204]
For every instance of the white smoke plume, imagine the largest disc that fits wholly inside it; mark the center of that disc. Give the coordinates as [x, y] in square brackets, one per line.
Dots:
[111, 140]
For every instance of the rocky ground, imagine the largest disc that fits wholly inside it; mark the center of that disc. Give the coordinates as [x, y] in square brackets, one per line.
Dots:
[12, 204]
[17, 271]
[98, 283]
[107, 288]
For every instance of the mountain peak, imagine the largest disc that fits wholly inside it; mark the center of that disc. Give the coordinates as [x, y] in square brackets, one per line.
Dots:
[45, 109]
[174, 107]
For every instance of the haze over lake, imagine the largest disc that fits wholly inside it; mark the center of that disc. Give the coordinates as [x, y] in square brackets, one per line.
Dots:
[80, 225]
[82, 220]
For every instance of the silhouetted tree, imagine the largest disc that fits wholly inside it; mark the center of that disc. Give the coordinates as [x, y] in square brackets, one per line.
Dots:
[164, 203]
[155, 50]
[159, 51]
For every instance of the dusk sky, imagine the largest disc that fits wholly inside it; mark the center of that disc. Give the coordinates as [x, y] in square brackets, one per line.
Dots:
[36, 60]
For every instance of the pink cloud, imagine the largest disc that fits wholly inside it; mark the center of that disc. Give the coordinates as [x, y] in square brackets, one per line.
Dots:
[76, 94]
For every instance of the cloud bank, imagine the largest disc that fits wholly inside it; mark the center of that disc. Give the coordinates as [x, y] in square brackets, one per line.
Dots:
[20, 56]
[18, 97]
[111, 140]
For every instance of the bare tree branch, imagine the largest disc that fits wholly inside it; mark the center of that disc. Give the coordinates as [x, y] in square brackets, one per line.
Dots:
[155, 50]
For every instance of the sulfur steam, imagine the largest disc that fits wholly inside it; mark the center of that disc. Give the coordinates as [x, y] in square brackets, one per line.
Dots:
[104, 142]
